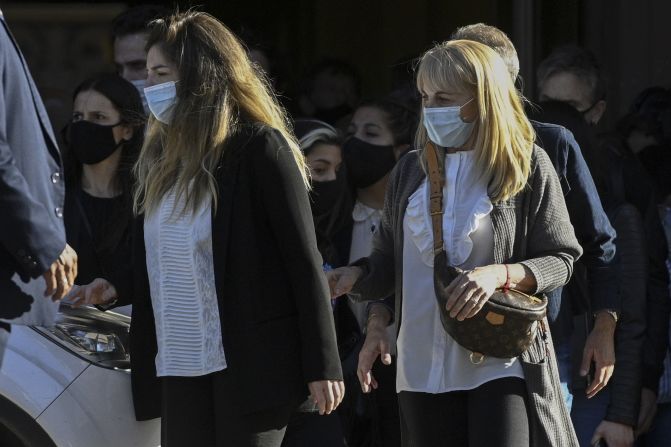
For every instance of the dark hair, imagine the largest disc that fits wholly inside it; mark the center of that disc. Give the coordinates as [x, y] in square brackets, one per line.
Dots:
[136, 20]
[649, 113]
[402, 115]
[578, 61]
[309, 132]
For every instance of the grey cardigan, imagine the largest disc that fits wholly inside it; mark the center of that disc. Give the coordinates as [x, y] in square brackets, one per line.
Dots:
[531, 228]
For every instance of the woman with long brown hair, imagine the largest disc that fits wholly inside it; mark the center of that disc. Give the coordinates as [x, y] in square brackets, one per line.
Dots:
[227, 268]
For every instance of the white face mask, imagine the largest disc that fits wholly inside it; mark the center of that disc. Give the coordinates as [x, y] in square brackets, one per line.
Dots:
[139, 85]
[161, 99]
[445, 126]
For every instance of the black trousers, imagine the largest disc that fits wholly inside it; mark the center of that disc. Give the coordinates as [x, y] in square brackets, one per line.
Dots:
[385, 400]
[309, 428]
[195, 412]
[494, 414]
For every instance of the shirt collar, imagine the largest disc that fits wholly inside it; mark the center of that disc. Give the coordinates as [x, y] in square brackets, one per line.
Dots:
[363, 212]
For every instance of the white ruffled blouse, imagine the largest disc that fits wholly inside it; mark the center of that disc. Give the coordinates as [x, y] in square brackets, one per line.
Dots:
[429, 360]
[183, 293]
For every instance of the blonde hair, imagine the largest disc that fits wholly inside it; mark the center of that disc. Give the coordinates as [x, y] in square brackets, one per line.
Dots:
[504, 137]
[218, 85]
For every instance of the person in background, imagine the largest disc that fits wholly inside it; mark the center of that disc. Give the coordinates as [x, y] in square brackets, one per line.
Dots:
[572, 75]
[469, 101]
[331, 92]
[330, 196]
[656, 160]
[130, 31]
[380, 133]
[612, 414]
[648, 122]
[331, 205]
[103, 140]
[225, 261]
[33, 250]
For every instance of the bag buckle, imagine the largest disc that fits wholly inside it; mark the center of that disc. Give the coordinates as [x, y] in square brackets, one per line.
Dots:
[476, 358]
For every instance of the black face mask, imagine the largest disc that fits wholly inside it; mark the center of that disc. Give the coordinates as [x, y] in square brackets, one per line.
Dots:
[89, 142]
[367, 163]
[325, 195]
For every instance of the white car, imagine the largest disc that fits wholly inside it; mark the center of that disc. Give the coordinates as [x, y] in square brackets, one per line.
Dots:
[70, 385]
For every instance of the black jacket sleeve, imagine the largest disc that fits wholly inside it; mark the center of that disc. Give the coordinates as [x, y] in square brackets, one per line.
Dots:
[639, 192]
[630, 332]
[592, 227]
[658, 305]
[285, 198]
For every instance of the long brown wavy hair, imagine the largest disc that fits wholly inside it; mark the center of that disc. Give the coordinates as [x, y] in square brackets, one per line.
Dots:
[218, 85]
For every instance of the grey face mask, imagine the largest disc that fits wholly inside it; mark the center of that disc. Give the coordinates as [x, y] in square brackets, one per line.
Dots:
[161, 99]
[445, 126]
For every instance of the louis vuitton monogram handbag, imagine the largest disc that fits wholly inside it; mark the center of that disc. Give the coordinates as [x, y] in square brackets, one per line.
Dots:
[506, 326]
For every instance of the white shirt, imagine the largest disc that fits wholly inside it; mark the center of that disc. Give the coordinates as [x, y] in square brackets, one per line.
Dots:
[366, 225]
[183, 293]
[429, 360]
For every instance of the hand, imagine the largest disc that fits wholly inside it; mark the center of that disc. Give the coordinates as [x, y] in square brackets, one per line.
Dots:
[100, 291]
[375, 345]
[600, 349]
[469, 291]
[648, 410]
[341, 280]
[327, 394]
[61, 275]
[615, 435]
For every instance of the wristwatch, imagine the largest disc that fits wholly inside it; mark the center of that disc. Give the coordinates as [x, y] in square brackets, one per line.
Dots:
[610, 312]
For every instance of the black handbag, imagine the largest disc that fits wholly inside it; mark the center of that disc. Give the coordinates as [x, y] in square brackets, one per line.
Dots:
[506, 325]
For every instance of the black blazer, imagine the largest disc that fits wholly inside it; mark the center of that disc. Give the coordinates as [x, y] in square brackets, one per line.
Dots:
[277, 324]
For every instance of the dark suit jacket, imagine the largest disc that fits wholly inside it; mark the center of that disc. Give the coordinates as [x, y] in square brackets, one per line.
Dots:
[31, 186]
[592, 228]
[277, 324]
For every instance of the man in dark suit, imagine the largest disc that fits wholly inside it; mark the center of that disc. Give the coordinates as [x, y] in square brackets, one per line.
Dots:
[32, 237]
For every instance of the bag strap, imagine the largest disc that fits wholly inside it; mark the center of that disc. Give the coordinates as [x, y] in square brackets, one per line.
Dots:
[436, 183]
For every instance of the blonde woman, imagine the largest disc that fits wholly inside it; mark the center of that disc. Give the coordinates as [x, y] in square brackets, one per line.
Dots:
[504, 221]
[230, 305]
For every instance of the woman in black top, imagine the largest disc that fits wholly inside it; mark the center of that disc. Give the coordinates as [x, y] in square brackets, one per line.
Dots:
[103, 141]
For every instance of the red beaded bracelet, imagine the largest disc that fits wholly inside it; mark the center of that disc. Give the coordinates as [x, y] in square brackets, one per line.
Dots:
[506, 286]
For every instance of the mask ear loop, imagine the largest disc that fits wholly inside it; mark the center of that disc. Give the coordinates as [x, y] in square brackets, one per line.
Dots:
[462, 106]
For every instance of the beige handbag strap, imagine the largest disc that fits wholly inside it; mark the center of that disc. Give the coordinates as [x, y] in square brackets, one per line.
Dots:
[436, 183]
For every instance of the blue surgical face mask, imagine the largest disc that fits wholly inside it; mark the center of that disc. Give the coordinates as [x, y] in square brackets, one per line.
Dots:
[161, 99]
[445, 126]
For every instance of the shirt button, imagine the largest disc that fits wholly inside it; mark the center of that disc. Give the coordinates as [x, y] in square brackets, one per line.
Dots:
[59, 212]
[55, 177]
